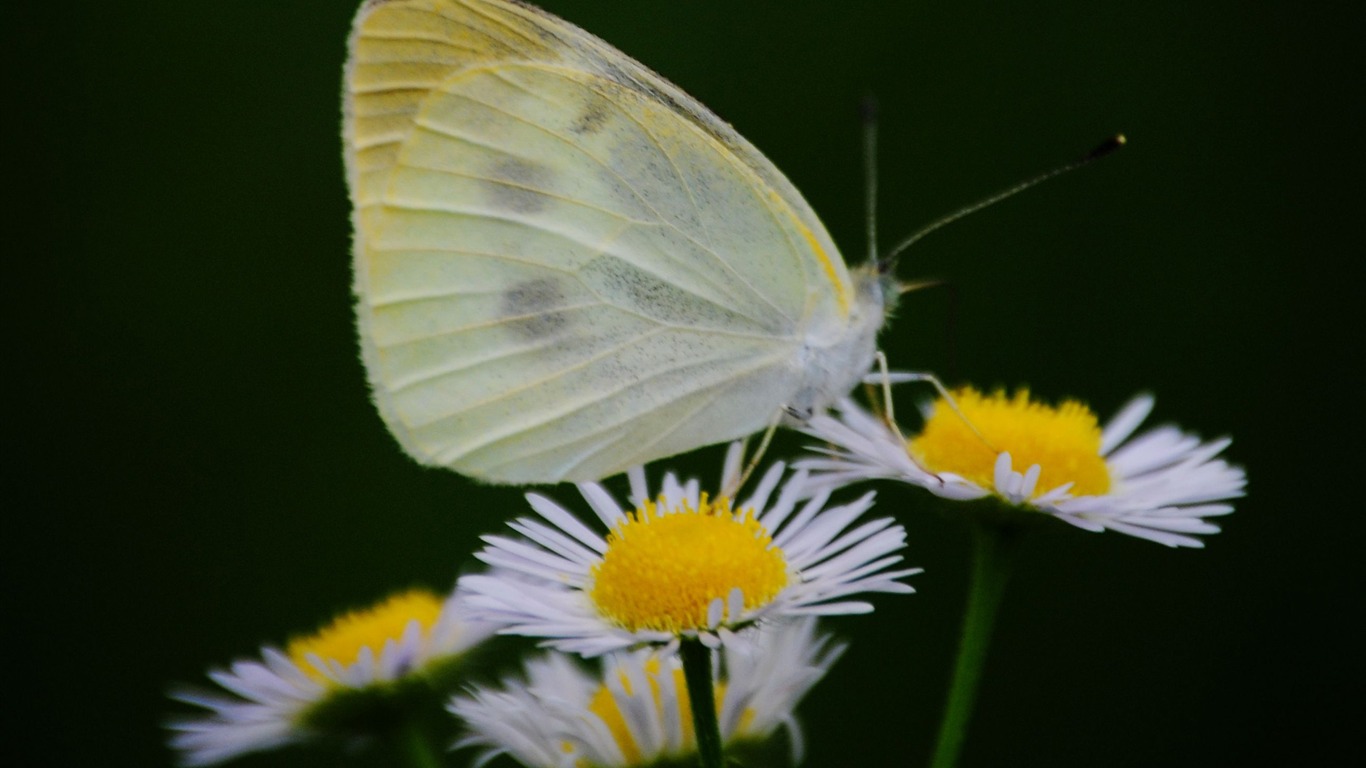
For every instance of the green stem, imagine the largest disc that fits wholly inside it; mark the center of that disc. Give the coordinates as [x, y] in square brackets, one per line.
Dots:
[416, 747]
[702, 696]
[993, 548]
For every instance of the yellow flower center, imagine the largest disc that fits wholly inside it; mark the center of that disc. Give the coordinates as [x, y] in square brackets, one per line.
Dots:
[1064, 441]
[342, 640]
[604, 705]
[663, 567]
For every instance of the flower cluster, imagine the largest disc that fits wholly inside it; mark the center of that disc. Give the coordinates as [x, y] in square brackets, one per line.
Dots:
[745, 577]
[739, 580]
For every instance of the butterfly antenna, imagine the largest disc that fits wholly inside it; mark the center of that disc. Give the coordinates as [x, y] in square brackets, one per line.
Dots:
[868, 116]
[887, 264]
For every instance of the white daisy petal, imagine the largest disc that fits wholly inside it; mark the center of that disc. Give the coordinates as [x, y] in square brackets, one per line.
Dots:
[562, 519]
[1160, 537]
[1125, 422]
[551, 539]
[602, 503]
[801, 527]
[732, 466]
[1031, 480]
[673, 492]
[716, 611]
[1084, 523]
[764, 489]
[519, 555]
[639, 490]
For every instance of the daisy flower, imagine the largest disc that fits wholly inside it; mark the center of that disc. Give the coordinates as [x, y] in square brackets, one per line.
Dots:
[637, 712]
[1161, 485]
[681, 565]
[334, 681]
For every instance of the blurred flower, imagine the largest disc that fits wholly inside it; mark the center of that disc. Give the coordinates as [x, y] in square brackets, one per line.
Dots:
[637, 713]
[343, 680]
[682, 565]
[1160, 485]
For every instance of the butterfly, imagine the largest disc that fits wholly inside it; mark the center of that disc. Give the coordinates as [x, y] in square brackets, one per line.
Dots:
[564, 265]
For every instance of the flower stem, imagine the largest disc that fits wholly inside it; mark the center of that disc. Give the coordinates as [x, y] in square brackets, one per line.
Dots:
[993, 549]
[702, 697]
[416, 747]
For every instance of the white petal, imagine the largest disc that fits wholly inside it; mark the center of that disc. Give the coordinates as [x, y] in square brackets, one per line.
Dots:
[1125, 422]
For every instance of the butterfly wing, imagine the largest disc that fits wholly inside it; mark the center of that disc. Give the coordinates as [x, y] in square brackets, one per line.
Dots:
[564, 265]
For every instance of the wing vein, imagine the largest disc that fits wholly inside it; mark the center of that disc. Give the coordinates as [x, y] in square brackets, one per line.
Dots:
[411, 36]
[527, 385]
[643, 449]
[535, 43]
[616, 423]
[484, 254]
[432, 375]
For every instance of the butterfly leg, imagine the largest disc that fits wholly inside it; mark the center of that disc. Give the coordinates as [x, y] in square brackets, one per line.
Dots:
[738, 481]
[886, 379]
[888, 410]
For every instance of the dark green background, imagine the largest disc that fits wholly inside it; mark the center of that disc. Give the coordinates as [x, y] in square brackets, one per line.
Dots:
[194, 468]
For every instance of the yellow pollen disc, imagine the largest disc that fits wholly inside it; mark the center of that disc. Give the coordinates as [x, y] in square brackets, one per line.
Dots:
[343, 639]
[1064, 441]
[604, 705]
[664, 567]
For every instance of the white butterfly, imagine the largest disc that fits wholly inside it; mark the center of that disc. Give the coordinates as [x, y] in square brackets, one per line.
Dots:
[564, 265]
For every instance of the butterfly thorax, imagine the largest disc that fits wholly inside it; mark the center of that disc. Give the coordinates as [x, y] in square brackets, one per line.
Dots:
[834, 358]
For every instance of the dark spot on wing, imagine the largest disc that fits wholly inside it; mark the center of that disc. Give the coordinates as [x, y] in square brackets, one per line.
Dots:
[591, 120]
[531, 308]
[519, 186]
